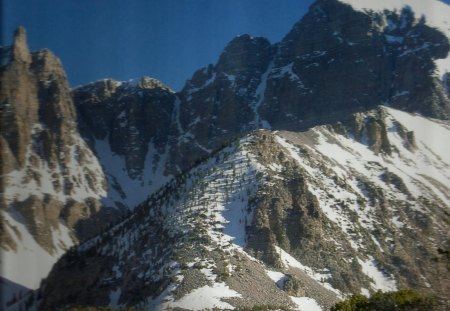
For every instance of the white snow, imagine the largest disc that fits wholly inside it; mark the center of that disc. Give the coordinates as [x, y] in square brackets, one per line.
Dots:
[431, 161]
[207, 82]
[425, 171]
[206, 297]
[21, 186]
[259, 95]
[226, 189]
[231, 78]
[30, 262]
[176, 115]
[365, 292]
[136, 190]
[380, 280]
[344, 161]
[114, 297]
[278, 277]
[433, 134]
[436, 13]
[420, 170]
[286, 71]
[290, 261]
[394, 39]
[306, 304]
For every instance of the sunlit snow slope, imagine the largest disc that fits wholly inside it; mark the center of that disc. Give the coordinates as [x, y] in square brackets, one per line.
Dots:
[294, 218]
[35, 237]
[385, 187]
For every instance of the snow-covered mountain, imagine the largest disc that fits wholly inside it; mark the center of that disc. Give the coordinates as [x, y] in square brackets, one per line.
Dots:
[51, 182]
[280, 218]
[390, 57]
[325, 194]
[128, 125]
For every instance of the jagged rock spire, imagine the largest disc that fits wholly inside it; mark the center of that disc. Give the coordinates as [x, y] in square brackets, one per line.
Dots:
[20, 51]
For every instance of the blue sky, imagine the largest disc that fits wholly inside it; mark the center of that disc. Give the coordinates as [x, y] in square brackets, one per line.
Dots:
[165, 39]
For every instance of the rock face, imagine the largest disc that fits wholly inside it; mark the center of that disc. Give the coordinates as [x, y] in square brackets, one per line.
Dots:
[219, 101]
[51, 182]
[273, 216]
[335, 196]
[128, 125]
[354, 61]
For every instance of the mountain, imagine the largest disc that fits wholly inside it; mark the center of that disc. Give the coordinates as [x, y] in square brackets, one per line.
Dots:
[128, 125]
[273, 217]
[51, 182]
[391, 57]
[326, 192]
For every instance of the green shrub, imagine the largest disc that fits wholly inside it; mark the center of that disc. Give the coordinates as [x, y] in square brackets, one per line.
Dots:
[402, 300]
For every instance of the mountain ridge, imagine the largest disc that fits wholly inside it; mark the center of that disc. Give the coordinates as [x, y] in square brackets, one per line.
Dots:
[138, 136]
[289, 194]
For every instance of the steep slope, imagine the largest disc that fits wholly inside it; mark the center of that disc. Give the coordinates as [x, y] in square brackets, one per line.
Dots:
[349, 223]
[434, 12]
[127, 125]
[335, 58]
[220, 101]
[390, 57]
[280, 218]
[51, 182]
[188, 236]
[355, 61]
[383, 186]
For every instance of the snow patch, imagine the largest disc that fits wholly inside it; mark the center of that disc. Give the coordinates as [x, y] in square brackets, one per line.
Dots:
[306, 304]
[290, 261]
[21, 186]
[206, 297]
[259, 95]
[278, 277]
[381, 281]
[132, 190]
[30, 263]
[114, 297]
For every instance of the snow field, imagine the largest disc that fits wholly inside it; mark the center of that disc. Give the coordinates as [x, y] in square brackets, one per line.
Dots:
[425, 172]
[30, 263]
[320, 277]
[380, 280]
[136, 190]
[21, 185]
[306, 304]
[209, 203]
[331, 195]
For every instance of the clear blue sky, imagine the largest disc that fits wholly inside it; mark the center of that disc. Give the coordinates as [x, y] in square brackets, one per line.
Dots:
[165, 39]
[123, 39]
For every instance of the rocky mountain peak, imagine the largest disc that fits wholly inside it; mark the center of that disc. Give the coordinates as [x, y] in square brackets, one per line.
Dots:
[390, 57]
[48, 66]
[20, 51]
[276, 216]
[151, 83]
[96, 92]
[51, 181]
[329, 198]
[243, 54]
[132, 121]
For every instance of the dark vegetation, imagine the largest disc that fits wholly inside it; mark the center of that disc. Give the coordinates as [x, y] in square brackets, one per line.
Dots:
[402, 300]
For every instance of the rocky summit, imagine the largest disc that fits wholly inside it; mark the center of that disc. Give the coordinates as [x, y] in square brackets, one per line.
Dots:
[285, 176]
